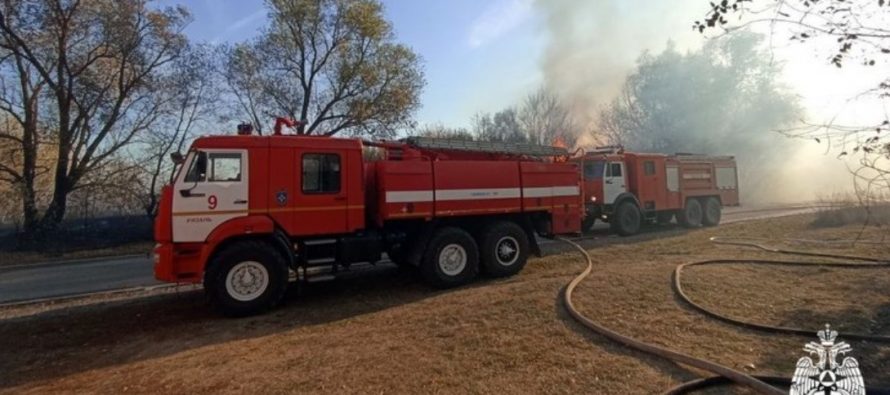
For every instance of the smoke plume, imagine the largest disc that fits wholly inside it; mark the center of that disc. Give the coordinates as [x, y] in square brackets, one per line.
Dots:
[592, 46]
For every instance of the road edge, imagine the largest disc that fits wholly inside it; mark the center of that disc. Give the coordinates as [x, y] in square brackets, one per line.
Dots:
[74, 261]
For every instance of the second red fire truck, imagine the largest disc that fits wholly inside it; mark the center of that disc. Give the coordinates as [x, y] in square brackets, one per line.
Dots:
[628, 189]
[246, 211]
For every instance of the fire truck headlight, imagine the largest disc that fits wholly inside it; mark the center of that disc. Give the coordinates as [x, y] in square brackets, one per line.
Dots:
[593, 199]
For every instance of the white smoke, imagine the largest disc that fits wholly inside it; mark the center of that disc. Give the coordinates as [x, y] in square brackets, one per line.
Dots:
[592, 46]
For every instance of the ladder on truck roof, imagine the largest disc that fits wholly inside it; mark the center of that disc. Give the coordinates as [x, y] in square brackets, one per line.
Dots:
[690, 157]
[431, 143]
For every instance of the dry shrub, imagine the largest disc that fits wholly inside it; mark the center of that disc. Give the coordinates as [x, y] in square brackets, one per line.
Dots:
[840, 210]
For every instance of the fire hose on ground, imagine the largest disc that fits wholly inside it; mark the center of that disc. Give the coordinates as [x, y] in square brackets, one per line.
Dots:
[724, 374]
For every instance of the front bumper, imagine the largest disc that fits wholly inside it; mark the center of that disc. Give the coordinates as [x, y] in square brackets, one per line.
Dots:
[179, 262]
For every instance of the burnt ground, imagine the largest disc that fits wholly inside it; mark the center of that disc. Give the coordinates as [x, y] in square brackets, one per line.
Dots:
[382, 331]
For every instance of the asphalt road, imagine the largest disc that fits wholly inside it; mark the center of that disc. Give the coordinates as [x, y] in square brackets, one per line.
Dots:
[41, 281]
[49, 280]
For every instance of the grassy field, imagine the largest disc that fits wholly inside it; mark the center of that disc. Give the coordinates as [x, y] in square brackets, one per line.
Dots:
[382, 332]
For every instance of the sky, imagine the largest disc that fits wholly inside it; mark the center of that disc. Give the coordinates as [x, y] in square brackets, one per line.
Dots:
[477, 55]
[482, 56]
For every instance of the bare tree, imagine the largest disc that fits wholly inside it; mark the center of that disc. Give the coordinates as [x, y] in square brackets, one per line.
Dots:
[190, 92]
[724, 98]
[624, 120]
[546, 119]
[333, 63]
[439, 130]
[244, 75]
[845, 31]
[500, 126]
[80, 74]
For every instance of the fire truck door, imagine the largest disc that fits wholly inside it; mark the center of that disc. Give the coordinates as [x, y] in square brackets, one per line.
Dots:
[321, 198]
[212, 191]
[613, 182]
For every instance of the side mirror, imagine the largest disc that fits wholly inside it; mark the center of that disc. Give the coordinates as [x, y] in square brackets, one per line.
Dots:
[177, 158]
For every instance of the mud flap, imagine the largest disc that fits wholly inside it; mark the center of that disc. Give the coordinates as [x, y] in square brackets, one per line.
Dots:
[283, 243]
[417, 250]
[532, 237]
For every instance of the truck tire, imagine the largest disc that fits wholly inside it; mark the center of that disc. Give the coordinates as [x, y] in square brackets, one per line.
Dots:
[627, 219]
[691, 215]
[246, 278]
[587, 223]
[712, 212]
[451, 259]
[504, 249]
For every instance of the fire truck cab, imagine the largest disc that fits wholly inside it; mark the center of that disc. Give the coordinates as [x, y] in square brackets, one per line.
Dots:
[627, 189]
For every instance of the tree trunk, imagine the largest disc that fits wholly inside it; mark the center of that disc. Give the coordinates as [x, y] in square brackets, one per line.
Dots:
[29, 168]
[55, 213]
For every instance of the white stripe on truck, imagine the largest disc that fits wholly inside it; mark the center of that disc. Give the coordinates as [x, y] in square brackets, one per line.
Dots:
[409, 196]
[478, 194]
[550, 191]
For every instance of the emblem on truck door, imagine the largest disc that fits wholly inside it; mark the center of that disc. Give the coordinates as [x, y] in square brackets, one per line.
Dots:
[281, 197]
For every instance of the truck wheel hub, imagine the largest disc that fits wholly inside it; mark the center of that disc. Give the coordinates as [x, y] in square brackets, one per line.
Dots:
[507, 251]
[452, 259]
[247, 280]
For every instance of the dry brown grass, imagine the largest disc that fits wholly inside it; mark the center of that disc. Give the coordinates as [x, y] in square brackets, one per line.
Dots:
[382, 332]
[844, 210]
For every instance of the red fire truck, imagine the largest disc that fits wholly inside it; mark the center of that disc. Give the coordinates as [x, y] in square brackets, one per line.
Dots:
[245, 211]
[627, 189]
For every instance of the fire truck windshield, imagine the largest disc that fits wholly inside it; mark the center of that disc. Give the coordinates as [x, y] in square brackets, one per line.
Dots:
[594, 169]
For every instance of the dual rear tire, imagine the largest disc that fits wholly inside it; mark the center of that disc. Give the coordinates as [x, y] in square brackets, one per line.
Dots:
[698, 212]
[454, 258]
[627, 218]
[712, 212]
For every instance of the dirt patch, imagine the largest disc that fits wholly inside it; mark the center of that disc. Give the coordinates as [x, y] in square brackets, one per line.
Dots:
[381, 331]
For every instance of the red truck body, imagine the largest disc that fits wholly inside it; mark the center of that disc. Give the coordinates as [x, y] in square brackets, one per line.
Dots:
[245, 211]
[661, 186]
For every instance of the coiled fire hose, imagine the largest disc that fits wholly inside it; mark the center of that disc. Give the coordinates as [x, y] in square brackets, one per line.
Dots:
[725, 374]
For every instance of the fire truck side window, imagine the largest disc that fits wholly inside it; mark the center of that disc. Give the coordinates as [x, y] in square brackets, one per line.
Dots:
[614, 170]
[321, 173]
[225, 167]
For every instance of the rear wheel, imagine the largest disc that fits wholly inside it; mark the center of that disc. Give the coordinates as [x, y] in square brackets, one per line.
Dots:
[451, 258]
[504, 249]
[712, 212]
[691, 215]
[246, 278]
[627, 219]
